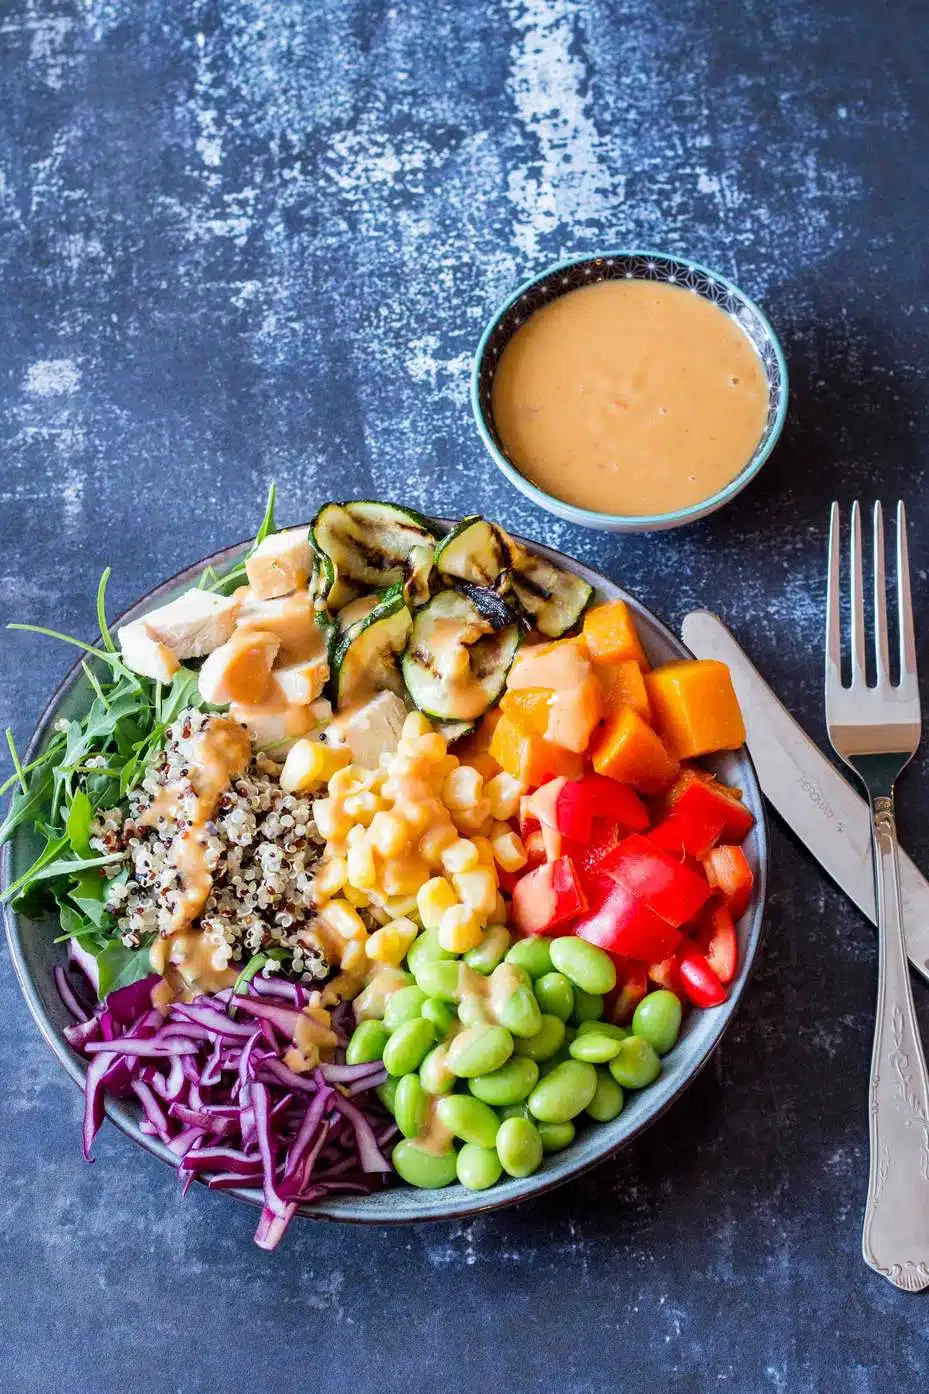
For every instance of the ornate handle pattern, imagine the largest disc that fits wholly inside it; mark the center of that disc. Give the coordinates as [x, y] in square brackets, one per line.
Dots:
[896, 1225]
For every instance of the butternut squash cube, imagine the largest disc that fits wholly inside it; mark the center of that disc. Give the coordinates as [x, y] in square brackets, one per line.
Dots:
[623, 685]
[630, 751]
[611, 634]
[695, 708]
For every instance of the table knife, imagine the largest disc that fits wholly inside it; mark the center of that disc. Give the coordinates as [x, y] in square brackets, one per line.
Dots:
[807, 790]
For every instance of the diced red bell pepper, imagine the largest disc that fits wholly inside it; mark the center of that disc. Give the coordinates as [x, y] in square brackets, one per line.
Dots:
[571, 805]
[697, 792]
[698, 980]
[632, 987]
[547, 897]
[665, 886]
[718, 942]
[688, 832]
[588, 855]
[727, 867]
[667, 974]
[621, 924]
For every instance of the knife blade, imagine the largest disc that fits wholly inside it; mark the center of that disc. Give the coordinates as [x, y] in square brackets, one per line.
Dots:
[821, 807]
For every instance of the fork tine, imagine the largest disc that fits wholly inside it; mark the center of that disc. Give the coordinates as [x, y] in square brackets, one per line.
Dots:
[859, 672]
[905, 602]
[881, 653]
[833, 634]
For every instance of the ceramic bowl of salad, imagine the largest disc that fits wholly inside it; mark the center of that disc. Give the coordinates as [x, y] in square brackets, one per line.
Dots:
[389, 869]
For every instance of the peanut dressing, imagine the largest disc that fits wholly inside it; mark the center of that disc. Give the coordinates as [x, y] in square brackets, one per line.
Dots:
[631, 397]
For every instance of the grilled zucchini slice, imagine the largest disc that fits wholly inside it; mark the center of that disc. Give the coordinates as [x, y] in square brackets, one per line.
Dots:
[456, 660]
[475, 551]
[369, 542]
[554, 599]
[367, 656]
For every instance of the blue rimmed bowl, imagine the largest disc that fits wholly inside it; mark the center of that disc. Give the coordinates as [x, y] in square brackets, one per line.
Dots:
[34, 953]
[574, 274]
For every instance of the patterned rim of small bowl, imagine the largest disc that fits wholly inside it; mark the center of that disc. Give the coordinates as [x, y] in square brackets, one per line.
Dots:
[403, 1204]
[677, 271]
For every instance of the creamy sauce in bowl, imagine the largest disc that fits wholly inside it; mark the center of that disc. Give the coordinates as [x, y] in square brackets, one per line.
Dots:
[630, 397]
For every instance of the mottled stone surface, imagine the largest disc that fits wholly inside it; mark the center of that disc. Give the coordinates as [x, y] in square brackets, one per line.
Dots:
[245, 239]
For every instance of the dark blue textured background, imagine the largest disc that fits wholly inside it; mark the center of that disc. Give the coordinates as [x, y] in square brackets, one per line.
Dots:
[255, 239]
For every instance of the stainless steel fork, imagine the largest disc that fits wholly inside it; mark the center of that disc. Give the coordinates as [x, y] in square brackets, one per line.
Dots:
[876, 731]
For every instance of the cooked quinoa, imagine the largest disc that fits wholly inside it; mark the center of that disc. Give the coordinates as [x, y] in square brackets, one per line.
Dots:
[261, 851]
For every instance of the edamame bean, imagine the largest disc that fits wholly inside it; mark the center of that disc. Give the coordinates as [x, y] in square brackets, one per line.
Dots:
[546, 1042]
[657, 1019]
[636, 1065]
[533, 954]
[490, 952]
[588, 1006]
[434, 1073]
[425, 949]
[602, 1028]
[410, 1105]
[472, 1010]
[478, 1167]
[607, 1102]
[510, 1084]
[405, 1005]
[594, 1047]
[387, 1093]
[479, 1050]
[408, 1046]
[427, 1170]
[367, 1043]
[555, 995]
[556, 1136]
[588, 967]
[564, 1093]
[439, 978]
[468, 1119]
[519, 1146]
[516, 1111]
[519, 1013]
[440, 1014]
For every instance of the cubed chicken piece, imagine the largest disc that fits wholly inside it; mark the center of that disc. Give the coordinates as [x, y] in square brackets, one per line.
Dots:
[290, 617]
[145, 654]
[280, 564]
[195, 624]
[371, 730]
[239, 671]
[274, 728]
[301, 683]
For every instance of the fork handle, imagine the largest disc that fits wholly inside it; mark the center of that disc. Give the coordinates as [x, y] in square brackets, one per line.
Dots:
[896, 1225]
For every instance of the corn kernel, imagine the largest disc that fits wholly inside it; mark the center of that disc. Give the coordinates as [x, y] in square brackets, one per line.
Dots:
[444, 767]
[414, 726]
[460, 929]
[436, 839]
[421, 813]
[363, 806]
[400, 907]
[430, 748]
[462, 788]
[330, 878]
[329, 819]
[478, 890]
[378, 913]
[404, 875]
[461, 855]
[485, 852]
[433, 899]
[503, 793]
[356, 835]
[509, 852]
[346, 921]
[389, 944]
[388, 834]
[362, 872]
[474, 818]
[501, 913]
[355, 897]
[345, 781]
[310, 764]
[353, 957]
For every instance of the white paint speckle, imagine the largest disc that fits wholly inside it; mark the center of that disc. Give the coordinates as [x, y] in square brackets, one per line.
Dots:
[52, 377]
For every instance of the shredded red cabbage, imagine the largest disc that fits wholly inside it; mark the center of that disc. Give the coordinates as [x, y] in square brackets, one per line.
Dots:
[215, 1089]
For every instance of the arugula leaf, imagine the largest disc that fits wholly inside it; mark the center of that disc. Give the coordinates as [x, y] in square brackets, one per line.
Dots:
[118, 966]
[88, 895]
[25, 807]
[77, 826]
[234, 578]
[101, 611]
[255, 965]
